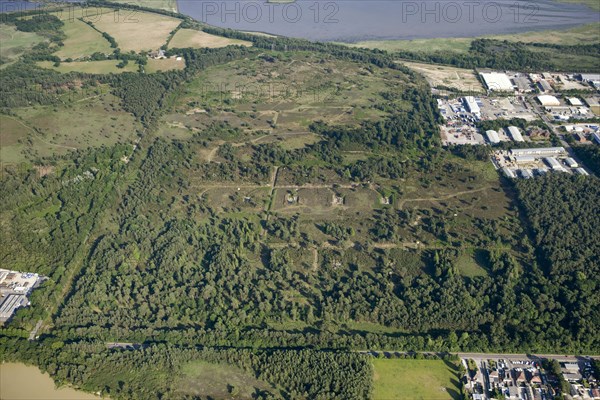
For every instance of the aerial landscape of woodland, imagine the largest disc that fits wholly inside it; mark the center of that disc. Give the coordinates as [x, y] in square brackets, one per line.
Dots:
[190, 211]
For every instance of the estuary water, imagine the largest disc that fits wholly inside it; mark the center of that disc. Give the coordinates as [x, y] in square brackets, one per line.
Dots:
[22, 382]
[357, 20]
[16, 6]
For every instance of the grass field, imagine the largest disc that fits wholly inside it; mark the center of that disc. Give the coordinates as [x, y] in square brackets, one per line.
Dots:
[192, 38]
[218, 381]
[137, 31]
[457, 78]
[90, 67]
[414, 379]
[47, 130]
[82, 40]
[164, 64]
[14, 43]
[471, 264]
[579, 35]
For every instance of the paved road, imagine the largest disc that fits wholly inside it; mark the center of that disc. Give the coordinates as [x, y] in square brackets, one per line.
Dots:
[124, 345]
[506, 356]
[522, 356]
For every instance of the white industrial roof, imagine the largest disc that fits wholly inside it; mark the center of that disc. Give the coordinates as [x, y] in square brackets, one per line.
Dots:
[492, 136]
[525, 159]
[515, 133]
[472, 104]
[538, 150]
[509, 173]
[575, 101]
[571, 162]
[548, 100]
[553, 163]
[525, 173]
[497, 81]
[590, 77]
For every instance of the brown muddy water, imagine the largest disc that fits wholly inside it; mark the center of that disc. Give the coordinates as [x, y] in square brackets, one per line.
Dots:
[22, 382]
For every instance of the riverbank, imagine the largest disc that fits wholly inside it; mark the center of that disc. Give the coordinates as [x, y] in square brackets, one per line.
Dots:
[585, 34]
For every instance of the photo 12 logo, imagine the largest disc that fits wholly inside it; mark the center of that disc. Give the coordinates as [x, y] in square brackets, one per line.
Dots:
[221, 12]
[469, 11]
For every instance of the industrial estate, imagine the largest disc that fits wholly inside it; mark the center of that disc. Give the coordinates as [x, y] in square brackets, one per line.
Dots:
[535, 99]
[15, 288]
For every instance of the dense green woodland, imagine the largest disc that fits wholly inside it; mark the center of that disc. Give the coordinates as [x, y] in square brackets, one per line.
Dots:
[154, 372]
[134, 254]
[590, 155]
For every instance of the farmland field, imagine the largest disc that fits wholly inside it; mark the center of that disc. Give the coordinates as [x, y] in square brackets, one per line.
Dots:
[414, 379]
[165, 64]
[192, 38]
[82, 40]
[136, 30]
[14, 42]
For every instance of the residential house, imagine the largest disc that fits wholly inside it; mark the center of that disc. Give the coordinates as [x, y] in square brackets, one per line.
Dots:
[536, 379]
[520, 376]
[572, 376]
[494, 377]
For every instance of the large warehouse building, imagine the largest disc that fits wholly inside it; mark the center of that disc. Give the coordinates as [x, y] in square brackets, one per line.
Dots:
[496, 81]
[540, 151]
[10, 303]
[509, 173]
[544, 86]
[547, 100]
[471, 105]
[553, 164]
[571, 163]
[515, 134]
[492, 136]
[590, 77]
